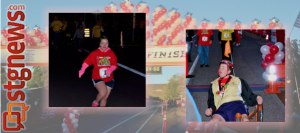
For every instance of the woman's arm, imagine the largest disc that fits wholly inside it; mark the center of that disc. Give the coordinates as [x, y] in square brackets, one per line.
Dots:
[248, 96]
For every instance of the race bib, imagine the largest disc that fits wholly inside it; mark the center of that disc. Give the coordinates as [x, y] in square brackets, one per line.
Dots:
[204, 39]
[240, 32]
[226, 35]
[103, 73]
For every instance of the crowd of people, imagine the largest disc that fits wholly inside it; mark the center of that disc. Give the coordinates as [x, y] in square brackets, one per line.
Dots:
[203, 38]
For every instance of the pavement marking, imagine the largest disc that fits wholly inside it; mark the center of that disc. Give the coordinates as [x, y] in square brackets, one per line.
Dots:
[192, 70]
[146, 121]
[125, 121]
[125, 67]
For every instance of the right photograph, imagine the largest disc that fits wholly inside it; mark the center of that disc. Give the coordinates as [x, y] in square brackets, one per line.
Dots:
[235, 75]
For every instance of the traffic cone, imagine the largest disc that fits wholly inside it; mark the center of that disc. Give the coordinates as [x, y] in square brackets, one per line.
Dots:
[267, 37]
[186, 131]
[272, 85]
[272, 88]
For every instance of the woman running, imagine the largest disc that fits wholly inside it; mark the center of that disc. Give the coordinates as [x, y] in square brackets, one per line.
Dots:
[105, 62]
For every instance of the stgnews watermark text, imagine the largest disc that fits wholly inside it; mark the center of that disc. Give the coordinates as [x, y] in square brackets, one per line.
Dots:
[15, 93]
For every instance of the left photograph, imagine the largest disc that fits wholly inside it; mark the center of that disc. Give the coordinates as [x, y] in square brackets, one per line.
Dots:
[97, 60]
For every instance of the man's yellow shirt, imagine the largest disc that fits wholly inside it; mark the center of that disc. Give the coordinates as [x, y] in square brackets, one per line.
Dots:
[97, 31]
[226, 34]
[56, 25]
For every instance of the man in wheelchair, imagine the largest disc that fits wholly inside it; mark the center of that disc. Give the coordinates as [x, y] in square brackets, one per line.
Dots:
[229, 95]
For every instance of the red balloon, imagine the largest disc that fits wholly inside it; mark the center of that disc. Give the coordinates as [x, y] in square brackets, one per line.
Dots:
[270, 44]
[237, 26]
[188, 18]
[177, 15]
[169, 43]
[147, 9]
[173, 18]
[264, 65]
[221, 24]
[5, 35]
[269, 58]
[76, 116]
[170, 38]
[122, 5]
[160, 27]
[185, 23]
[272, 25]
[23, 31]
[274, 50]
[156, 16]
[153, 21]
[67, 121]
[160, 13]
[138, 6]
[132, 5]
[107, 9]
[152, 35]
[204, 25]
[164, 10]
[253, 26]
[155, 31]
[3, 31]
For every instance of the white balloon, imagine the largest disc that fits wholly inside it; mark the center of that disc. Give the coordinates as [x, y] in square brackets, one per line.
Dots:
[244, 26]
[127, 4]
[194, 20]
[72, 116]
[263, 56]
[265, 75]
[36, 40]
[279, 56]
[277, 62]
[174, 41]
[279, 45]
[31, 33]
[42, 44]
[147, 16]
[227, 25]
[210, 25]
[280, 25]
[157, 9]
[75, 126]
[171, 14]
[265, 49]
[63, 125]
[75, 111]
[154, 43]
[74, 121]
[65, 130]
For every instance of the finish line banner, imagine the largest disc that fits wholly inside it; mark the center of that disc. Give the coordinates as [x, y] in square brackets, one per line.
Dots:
[167, 55]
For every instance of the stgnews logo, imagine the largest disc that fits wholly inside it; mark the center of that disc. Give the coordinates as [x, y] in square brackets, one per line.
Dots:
[14, 120]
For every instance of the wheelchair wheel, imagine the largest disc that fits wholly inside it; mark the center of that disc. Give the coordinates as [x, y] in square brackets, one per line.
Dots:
[238, 117]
